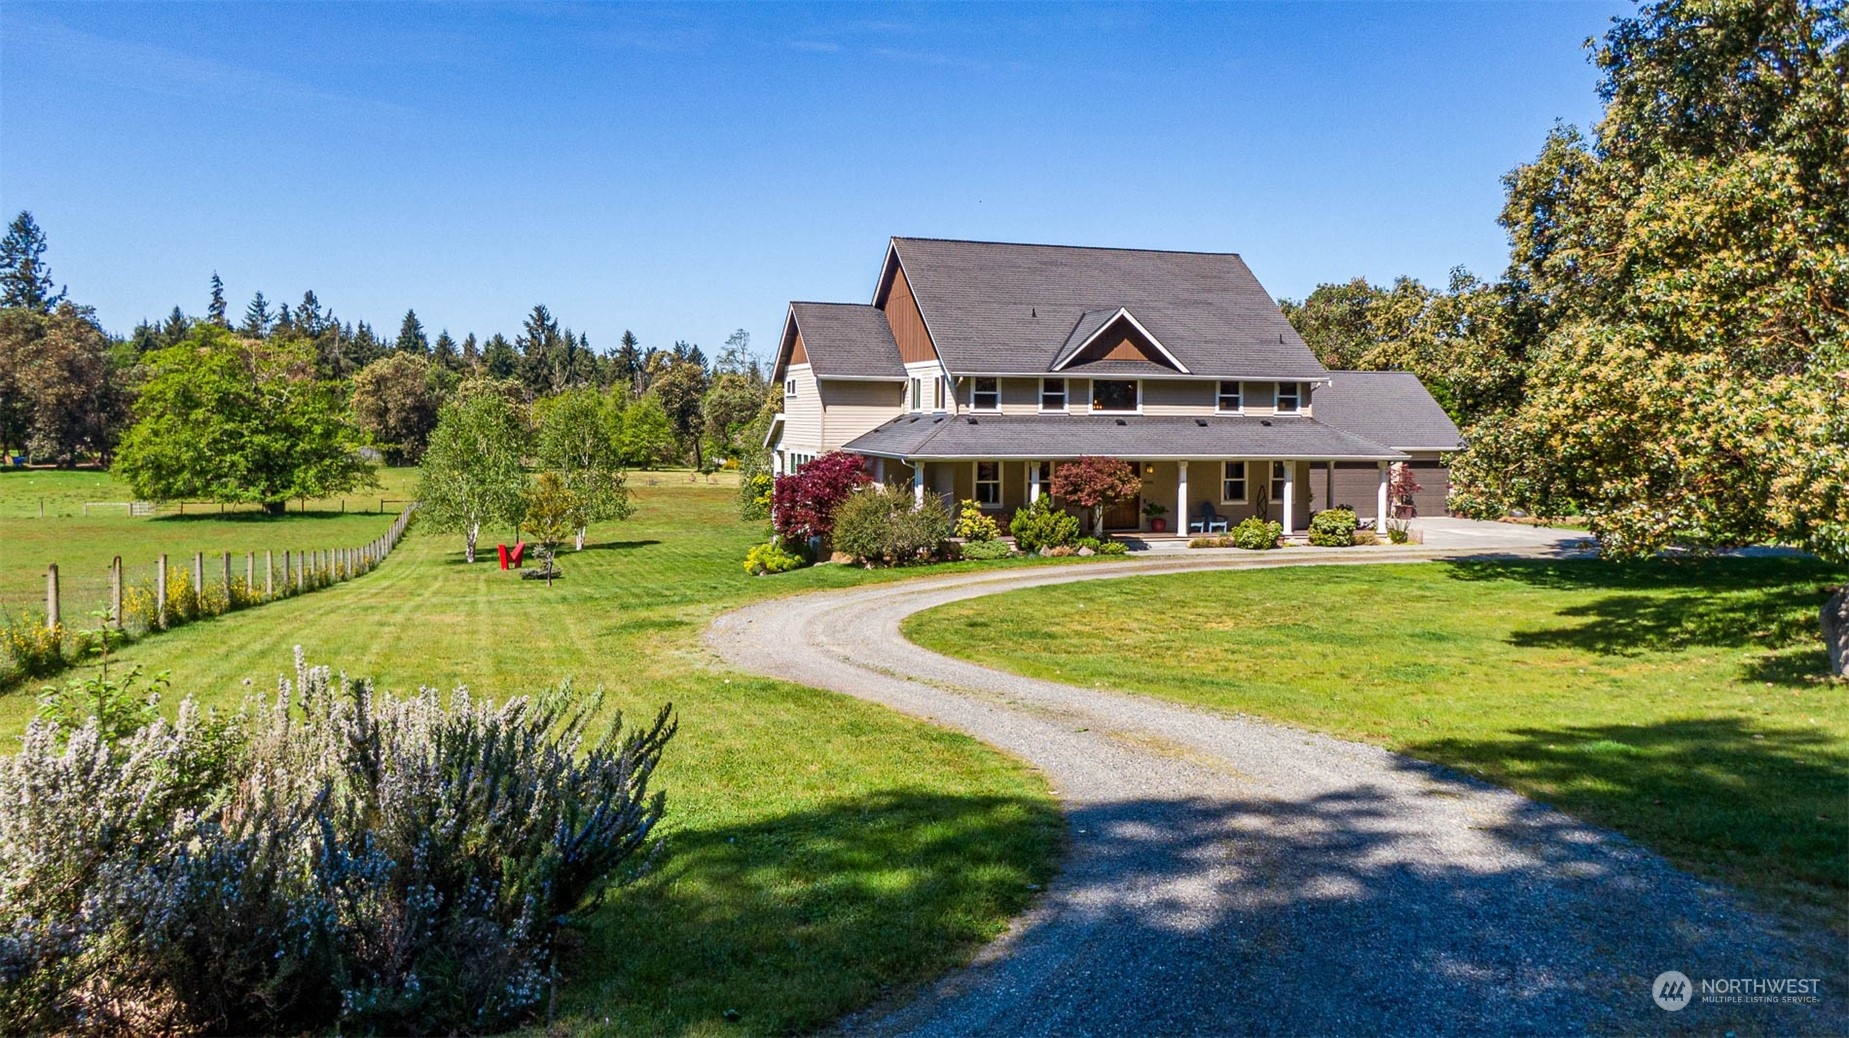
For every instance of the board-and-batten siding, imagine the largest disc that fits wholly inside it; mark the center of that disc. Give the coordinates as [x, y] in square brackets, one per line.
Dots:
[799, 354]
[907, 323]
[802, 413]
[853, 408]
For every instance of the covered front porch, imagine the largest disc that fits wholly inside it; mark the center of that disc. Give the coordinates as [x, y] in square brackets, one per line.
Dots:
[1179, 496]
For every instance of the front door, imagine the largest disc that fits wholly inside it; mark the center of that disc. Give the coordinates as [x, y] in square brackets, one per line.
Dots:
[1124, 513]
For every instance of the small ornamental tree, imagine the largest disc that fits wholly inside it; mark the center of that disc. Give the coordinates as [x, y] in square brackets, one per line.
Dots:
[803, 503]
[1400, 484]
[553, 509]
[1093, 482]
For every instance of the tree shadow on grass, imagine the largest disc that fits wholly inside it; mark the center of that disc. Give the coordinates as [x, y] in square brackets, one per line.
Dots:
[257, 517]
[1769, 604]
[1732, 798]
[1330, 912]
[614, 546]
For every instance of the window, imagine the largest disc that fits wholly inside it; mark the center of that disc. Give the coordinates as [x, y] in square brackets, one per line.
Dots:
[1277, 481]
[1115, 394]
[1233, 483]
[1052, 394]
[937, 394]
[789, 387]
[989, 483]
[1289, 397]
[917, 394]
[985, 394]
[1232, 399]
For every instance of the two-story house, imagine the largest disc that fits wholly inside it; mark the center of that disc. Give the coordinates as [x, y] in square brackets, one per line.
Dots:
[978, 367]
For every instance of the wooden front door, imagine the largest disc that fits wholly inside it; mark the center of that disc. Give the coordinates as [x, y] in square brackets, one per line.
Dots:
[1124, 513]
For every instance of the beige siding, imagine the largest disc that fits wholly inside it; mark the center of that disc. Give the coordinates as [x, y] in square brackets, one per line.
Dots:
[852, 408]
[1179, 397]
[802, 413]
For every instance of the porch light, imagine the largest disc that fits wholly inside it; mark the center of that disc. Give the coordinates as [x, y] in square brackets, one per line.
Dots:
[1149, 470]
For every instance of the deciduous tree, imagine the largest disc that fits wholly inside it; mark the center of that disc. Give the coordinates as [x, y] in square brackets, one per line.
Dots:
[804, 502]
[62, 393]
[648, 435]
[580, 433]
[472, 472]
[396, 398]
[1093, 482]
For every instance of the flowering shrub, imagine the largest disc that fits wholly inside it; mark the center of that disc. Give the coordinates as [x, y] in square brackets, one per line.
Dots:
[29, 649]
[1040, 525]
[1333, 528]
[973, 526]
[803, 502]
[326, 859]
[1255, 534]
[771, 558]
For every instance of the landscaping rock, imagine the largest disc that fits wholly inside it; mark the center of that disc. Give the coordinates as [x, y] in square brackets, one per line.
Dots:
[1086, 553]
[840, 558]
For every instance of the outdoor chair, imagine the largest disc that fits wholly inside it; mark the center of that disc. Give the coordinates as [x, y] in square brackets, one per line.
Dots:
[1207, 519]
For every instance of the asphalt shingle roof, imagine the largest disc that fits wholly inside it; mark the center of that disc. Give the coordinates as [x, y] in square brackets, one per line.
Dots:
[996, 308]
[848, 340]
[1044, 437]
[1390, 407]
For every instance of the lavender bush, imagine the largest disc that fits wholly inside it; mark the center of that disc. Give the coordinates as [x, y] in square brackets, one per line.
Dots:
[325, 858]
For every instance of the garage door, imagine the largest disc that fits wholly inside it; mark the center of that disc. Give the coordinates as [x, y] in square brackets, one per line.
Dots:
[1356, 483]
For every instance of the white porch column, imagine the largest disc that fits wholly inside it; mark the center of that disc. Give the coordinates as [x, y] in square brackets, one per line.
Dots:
[1290, 494]
[917, 484]
[1380, 501]
[1033, 482]
[1181, 497]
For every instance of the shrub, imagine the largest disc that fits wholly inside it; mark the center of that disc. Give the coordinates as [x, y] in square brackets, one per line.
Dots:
[995, 549]
[1113, 548]
[754, 494]
[1059, 551]
[880, 525]
[1333, 528]
[1088, 542]
[278, 871]
[1366, 537]
[30, 648]
[1216, 541]
[771, 558]
[1040, 525]
[803, 502]
[974, 526]
[1255, 534]
[1399, 531]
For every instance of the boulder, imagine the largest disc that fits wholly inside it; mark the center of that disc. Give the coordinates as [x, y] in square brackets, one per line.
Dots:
[1086, 553]
[840, 558]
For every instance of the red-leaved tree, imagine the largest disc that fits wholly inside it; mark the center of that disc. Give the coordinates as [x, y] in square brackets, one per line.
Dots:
[1401, 484]
[803, 502]
[1094, 482]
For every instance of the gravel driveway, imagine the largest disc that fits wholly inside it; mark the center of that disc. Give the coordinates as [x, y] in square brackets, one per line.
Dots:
[1230, 876]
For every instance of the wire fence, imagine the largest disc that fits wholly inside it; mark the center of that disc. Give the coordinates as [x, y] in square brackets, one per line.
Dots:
[140, 598]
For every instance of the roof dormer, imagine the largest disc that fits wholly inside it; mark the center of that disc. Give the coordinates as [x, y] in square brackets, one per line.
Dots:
[1114, 335]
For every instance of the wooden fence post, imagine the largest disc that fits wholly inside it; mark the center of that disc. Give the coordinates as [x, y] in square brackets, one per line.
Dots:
[198, 578]
[269, 574]
[250, 573]
[227, 582]
[160, 593]
[115, 592]
[52, 617]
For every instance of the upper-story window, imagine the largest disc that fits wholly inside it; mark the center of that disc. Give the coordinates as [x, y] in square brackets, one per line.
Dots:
[789, 387]
[1290, 397]
[917, 394]
[937, 394]
[1052, 394]
[1118, 395]
[985, 394]
[1232, 397]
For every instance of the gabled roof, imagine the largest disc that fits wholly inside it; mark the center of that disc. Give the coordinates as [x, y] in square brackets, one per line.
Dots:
[1051, 437]
[1094, 324]
[842, 340]
[997, 308]
[1390, 407]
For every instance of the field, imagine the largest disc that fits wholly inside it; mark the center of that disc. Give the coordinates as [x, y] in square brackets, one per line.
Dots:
[1681, 704]
[822, 853]
[83, 545]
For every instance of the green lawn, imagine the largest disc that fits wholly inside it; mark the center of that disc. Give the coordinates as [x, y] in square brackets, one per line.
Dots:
[822, 852]
[1682, 704]
[83, 546]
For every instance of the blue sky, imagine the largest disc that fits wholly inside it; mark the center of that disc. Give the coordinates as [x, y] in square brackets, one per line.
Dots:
[687, 170]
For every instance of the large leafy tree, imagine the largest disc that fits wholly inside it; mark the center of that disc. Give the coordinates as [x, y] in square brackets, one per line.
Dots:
[395, 398]
[682, 391]
[580, 434]
[62, 391]
[1681, 278]
[648, 434]
[25, 280]
[729, 411]
[232, 419]
[473, 470]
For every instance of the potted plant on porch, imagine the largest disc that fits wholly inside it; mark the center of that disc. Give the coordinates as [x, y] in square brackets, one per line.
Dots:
[1154, 511]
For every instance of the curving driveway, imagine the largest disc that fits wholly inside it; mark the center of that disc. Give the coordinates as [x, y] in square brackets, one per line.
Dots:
[1230, 876]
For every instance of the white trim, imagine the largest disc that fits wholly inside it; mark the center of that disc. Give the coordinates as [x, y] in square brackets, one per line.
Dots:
[1092, 406]
[1245, 477]
[1218, 394]
[942, 396]
[1065, 395]
[776, 426]
[971, 379]
[1124, 313]
[976, 481]
[1290, 491]
[1158, 375]
[860, 378]
[1277, 391]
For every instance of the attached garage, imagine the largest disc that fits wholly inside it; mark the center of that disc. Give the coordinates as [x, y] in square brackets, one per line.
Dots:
[1394, 410]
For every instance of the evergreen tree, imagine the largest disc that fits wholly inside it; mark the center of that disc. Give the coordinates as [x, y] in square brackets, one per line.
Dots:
[285, 321]
[257, 317]
[309, 318]
[628, 363]
[25, 280]
[471, 353]
[411, 336]
[364, 346]
[215, 310]
[444, 352]
[175, 328]
[145, 337]
[499, 358]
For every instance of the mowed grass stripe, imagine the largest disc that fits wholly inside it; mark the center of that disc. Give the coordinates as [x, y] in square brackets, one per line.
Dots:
[822, 852]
